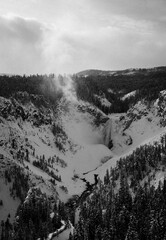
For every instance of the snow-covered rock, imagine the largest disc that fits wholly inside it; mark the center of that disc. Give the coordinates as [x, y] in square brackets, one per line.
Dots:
[128, 95]
[103, 100]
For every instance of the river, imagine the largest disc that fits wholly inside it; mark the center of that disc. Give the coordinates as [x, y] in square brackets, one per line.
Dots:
[64, 234]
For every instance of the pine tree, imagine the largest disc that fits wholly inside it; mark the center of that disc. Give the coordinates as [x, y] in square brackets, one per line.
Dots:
[132, 233]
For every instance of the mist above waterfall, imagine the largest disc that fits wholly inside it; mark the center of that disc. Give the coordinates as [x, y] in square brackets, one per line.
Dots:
[66, 85]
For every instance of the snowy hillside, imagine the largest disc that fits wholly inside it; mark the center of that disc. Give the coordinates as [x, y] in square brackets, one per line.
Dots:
[74, 147]
[61, 143]
[123, 133]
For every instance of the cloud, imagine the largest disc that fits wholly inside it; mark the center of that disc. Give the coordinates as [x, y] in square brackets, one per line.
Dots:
[123, 43]
[20, 45]
[150, 10]
[15, 27]
[104, 34]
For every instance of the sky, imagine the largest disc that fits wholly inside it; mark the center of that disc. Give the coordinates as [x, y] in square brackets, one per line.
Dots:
[68, 36]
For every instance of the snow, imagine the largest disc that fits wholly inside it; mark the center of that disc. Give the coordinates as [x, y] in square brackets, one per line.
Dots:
[110, 90]
[62, 233]
[81, 131]
[163, 92]
[10, 205]
[128, 95]
[159, 177]
[143, 127]
[89, 157]
[42, 140]
[130, 71]
[86, 159]
[65, 234]
[103, 100]
[57, 231]
[143, 130]
[90, 153]
[125, 151]
[90, 149]
[37, 171]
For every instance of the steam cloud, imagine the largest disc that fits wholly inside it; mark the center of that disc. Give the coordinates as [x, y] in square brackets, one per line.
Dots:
[66, 85]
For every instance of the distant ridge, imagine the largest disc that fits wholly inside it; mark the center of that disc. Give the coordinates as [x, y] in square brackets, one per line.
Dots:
[97, 72]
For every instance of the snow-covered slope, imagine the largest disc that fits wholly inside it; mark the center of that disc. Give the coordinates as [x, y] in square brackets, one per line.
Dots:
[141, 123]
[89, 150]
[9, 204]
[58, 146]
[144, 123]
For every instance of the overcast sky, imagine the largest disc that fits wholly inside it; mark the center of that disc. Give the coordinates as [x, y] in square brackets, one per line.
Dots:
[67, 36]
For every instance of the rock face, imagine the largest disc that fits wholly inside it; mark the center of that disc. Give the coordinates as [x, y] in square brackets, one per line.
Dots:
[114, 134]
[142, 121]
[33, 110]
[160, 105]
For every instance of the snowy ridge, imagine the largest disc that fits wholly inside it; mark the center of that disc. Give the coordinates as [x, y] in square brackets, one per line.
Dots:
[128, 95]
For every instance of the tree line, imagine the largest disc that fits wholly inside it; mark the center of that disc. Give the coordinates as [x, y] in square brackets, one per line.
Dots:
[128, 205]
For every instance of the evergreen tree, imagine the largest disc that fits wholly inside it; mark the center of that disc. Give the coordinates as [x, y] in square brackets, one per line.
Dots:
[132, 233]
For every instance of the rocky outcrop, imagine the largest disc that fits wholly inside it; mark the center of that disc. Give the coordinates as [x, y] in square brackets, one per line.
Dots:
[29, 107]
